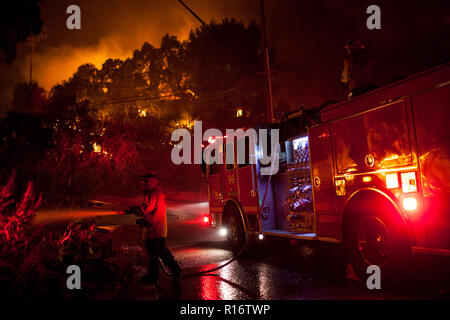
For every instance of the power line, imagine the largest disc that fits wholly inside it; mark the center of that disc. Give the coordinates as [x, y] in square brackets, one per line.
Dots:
[174, 94]
[192, 12]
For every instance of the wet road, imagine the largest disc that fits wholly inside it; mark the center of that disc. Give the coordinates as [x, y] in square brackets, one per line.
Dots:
[280, 269]
[270, 269]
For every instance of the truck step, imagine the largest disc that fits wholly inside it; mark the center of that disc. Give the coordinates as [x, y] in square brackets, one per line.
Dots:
[289, 234]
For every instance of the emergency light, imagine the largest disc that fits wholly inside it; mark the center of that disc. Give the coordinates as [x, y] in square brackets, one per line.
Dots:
[409, 203]
[211, 140]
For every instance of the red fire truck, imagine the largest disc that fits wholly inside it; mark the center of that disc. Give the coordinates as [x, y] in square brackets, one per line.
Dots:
[372, 174]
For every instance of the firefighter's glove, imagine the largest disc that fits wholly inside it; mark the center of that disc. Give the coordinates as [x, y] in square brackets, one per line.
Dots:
[142, 223]
[135, 210]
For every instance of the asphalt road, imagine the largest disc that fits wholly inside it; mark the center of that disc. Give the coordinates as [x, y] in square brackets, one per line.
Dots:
[272, 268]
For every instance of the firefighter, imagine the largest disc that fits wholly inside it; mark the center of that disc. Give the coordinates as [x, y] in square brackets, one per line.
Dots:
[357, 76]
[154, 228]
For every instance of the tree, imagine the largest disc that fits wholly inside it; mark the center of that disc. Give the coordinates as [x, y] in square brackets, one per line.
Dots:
[19, 19]
[29, 97]
[24, 141]
[73, 169]
[223, 61]
[143, 98]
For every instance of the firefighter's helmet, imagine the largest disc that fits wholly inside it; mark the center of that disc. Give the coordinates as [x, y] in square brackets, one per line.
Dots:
[148, 175]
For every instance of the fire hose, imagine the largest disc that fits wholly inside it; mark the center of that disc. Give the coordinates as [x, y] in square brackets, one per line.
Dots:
[247, 241]
[208, 272]
[235, 256]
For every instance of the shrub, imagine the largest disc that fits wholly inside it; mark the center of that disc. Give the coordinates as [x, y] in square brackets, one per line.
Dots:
[33, 260]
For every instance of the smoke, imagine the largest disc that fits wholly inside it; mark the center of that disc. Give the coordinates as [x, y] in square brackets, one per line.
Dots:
[109, 29]
[308, 37]
[58, 64]
[112, 29]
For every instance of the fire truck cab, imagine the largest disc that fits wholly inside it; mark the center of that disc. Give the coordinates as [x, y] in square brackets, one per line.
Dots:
[373, 174]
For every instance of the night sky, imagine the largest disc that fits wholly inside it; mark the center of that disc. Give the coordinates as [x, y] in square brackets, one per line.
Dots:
[308, 37]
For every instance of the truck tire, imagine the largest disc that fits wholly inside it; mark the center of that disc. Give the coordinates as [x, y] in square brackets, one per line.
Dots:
[378, 239]
[236, 234]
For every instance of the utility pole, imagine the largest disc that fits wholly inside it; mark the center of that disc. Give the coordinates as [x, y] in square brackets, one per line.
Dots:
[269, 102]
[33, 43]
[192, 12]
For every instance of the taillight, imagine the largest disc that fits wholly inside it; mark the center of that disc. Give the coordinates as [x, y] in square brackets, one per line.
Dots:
[404, 186]
[206, 219]
[409, 203]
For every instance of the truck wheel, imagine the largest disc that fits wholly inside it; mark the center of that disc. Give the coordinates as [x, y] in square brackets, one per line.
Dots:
[377, 239]
[236, 232]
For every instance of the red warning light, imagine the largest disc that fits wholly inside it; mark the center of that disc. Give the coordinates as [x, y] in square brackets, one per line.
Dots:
[211, 139]
[410, 204]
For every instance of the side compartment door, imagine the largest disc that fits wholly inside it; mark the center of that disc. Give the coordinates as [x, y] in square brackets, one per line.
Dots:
[228, 172]
[431, 116]
[247, 180]
[215, 193]
[324, 195]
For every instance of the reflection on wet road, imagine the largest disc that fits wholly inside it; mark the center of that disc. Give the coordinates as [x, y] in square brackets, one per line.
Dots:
[275, 269]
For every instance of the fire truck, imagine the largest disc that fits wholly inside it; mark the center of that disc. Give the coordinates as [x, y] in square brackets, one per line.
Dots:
[372, 174]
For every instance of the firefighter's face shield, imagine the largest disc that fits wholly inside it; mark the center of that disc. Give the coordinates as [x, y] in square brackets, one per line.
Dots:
[355, 46]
